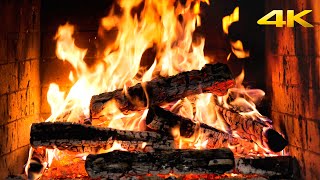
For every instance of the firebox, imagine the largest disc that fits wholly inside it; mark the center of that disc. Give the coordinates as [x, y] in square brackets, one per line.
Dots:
[160, 89]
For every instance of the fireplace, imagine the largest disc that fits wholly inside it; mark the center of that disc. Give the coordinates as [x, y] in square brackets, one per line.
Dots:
[283, 62]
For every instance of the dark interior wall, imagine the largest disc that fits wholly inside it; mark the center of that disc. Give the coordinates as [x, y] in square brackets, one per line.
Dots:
[293, 73]
[19, 81]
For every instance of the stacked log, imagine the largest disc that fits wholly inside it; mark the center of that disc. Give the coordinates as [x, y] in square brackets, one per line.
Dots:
[253, 130]
[163, 121]
[214, 78]
[154, 151]
[85, 138]
[116, 164]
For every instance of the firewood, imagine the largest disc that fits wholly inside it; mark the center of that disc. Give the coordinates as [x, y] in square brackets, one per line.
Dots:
[114, 165]
[214, 78]
[278, 167]
[85, 138]
[253, 130]
[163, 121]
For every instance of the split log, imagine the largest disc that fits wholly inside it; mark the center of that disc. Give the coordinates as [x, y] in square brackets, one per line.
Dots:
[116, 164]
[85, 138]
[163, 121]
[253, 130]
[214, 78]
[279, 167]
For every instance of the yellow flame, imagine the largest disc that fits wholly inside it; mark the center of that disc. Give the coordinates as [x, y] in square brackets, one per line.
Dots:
[228, 20]
[238, 50]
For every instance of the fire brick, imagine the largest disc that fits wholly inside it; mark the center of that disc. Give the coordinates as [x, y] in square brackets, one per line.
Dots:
[23, 46]
[285, 70]
[10, 141]
[4, 109]
[293, 128]
[24, 126]
[34, 100]
[12, 164]
[296, 101]
[9, 80]
[3, 52]
[28, 74]
[18, 105]
[313, 134]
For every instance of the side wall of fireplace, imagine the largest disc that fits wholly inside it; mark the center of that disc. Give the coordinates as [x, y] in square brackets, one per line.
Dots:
[19, 81]
[293, 73]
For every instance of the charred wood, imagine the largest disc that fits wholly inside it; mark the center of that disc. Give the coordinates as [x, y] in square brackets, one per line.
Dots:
[116, 164]
[85, 138]
[163, 121]
[278, 167]
[214, 78]
[253, 130]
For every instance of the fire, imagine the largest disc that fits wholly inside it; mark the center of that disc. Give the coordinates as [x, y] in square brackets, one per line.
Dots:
[228, 20]
[161, 25]
[236, 46]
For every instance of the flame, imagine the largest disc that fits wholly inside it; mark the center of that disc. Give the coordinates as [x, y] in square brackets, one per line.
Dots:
[228, 20]
[236, 46]
[166, 27]
[238, 50]
[115, 146]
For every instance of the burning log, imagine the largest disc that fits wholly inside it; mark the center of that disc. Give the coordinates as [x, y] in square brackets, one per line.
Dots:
[279, 167]
[164, 121]
[85, 138]
[258, 132]
[215, 78]
[116, 164]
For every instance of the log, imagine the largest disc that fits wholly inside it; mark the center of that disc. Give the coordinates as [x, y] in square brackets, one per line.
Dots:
[163, 121]
[214, 78]
[116, 164]
[257, 131]
[278, 167]
[85, 138]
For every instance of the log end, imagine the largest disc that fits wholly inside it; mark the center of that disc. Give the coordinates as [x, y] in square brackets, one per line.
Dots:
[276, 142]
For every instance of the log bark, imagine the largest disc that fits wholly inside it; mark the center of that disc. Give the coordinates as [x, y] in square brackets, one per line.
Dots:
[215, 78]
[253, 130]
[85, 138]
[279, 167]
[116, 164]
[163, 121]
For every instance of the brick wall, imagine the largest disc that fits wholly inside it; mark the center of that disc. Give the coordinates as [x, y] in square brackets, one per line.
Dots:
[293, 73]
[19, 81]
